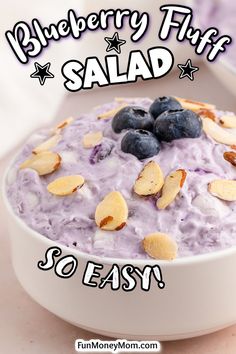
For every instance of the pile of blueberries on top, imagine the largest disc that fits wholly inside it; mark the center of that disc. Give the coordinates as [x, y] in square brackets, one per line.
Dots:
[166, 120]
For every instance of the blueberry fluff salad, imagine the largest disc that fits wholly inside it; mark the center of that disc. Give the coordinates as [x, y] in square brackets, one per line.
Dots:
[135, 178]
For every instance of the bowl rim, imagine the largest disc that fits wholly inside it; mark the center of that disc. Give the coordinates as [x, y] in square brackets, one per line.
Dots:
[182, 261]
[227, 64]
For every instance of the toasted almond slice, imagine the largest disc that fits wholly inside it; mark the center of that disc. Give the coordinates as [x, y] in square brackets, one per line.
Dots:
[112, 112]
[228, 121]
[150, 180]
[207, 113]
[44, 163]
[194, 105]
[65, 185]
[64, 123]
[120, 99]
[218, 133]
[48, 144]
[172, 186]
[223, 189]
[160, 246]
[92, 139]
[230, 156]
[112, 212]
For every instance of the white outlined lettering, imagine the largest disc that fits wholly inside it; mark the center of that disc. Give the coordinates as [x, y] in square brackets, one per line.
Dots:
[78, 76]
[186, 32]
[127, 277]
[28, 40]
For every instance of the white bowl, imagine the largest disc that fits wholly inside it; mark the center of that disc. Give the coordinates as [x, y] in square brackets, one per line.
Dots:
[221, 68]
[225, 72]
[199, 296]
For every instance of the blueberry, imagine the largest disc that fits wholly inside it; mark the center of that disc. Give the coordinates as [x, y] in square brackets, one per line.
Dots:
[177, 124]
[140, 143]
[101, 151]
[163, 104]
[132, 117]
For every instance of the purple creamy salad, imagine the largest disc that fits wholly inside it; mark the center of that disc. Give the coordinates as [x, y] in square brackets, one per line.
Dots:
[196, 220]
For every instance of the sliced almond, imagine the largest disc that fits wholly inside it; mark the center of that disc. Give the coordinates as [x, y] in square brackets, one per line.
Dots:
[64, 123]
[230, 156]
[112, 212]
[160, 246]
[172, 186]
[44, 163]
[207, 113]
[121, 99]
[92, 139]
[150, 180]
[111, 113]
[228, 121]
[194, 105]
[218, 133]
[65, 185]
[48, 144]
[223, 189]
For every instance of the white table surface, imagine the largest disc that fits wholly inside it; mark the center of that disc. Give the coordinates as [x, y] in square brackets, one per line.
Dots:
[25, 327]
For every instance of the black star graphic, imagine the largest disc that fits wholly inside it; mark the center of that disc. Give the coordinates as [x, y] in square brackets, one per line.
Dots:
[42, 72]
[187, 70]
[114, 43]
